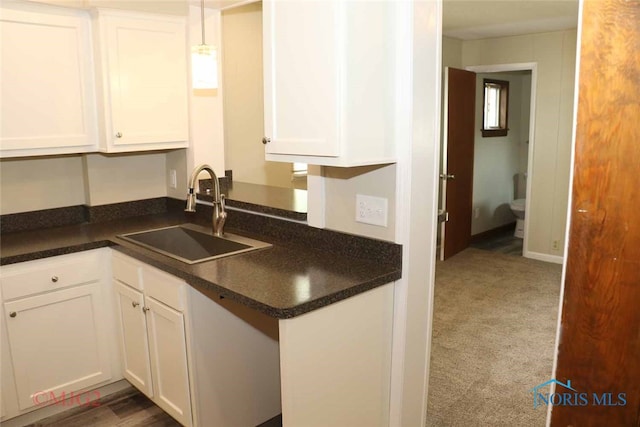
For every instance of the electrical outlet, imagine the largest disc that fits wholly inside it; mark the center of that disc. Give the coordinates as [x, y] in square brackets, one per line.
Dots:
[173, 178]
[372, 210]
[555, 245]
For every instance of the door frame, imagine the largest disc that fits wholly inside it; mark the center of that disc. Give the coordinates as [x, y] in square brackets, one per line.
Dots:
[523, 66]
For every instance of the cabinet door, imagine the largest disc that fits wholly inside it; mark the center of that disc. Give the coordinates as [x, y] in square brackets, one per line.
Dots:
[169, 360]
[7, 385]
[134, 343]
[302, 75]
[47, 82]
[144, 66]
[56, 342]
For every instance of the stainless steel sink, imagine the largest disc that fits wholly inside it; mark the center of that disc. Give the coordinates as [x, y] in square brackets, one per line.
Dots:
[192, 244]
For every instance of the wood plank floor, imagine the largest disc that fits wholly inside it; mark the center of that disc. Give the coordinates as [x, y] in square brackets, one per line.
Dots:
[127, 408]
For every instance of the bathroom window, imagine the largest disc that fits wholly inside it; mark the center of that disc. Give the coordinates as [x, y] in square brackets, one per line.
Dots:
[496, 106]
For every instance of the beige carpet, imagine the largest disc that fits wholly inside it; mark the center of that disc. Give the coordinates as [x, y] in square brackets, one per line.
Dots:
[493, 339]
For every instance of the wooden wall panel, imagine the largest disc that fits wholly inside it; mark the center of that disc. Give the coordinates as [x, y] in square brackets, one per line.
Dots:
[599, 348]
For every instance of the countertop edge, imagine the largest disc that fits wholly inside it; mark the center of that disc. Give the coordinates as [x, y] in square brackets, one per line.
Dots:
[199, 282]
[277, 312]
[48, 253]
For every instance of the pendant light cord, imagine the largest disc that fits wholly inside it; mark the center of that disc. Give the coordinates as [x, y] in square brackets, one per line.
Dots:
[202, 19]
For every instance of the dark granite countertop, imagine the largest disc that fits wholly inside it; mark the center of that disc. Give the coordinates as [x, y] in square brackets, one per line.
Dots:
[284, 281]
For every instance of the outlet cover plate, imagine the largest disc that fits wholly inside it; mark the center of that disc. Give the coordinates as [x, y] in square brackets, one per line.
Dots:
[372, 210]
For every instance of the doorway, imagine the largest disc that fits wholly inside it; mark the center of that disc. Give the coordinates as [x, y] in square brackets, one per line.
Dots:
[484, 302]
[472, 211]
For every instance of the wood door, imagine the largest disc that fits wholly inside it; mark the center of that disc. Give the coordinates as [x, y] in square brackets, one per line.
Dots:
[57, 343]
[599, 346]
[168, 347]
[457, 169]
[134, 344]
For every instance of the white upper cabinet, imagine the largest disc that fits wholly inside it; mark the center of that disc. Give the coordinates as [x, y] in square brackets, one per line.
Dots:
[142, 81]
[330, 81]
[47, 84]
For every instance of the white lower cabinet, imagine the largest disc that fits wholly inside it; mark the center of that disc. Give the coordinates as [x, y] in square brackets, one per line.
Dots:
[55, 330]
[167, 343]
[206, 361]
[135, 345]
[151, 309]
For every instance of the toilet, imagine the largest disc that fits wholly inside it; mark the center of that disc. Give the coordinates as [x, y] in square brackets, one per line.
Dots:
[518, 207]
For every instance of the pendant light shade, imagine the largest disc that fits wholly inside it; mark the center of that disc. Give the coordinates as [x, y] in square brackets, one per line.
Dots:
[204, 61]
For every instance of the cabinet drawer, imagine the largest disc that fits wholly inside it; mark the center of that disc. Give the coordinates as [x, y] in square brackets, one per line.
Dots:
[164, 287]
[127, 270]
[44, 275]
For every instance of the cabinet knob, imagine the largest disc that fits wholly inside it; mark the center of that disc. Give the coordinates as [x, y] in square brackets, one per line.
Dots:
[266, 140]
[135, 304]
[54, 279]
[118, 134]
[13, 314]
[145, 309]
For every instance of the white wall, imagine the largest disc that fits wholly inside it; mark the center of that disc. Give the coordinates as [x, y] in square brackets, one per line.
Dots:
[177, 160]
[451, 57]
[124, 178]
[497, 163]
[40, 183]
[206, 127]
[37, 183]
[554, 54]
[341, 187]
[243, 99]
[525, 123]
[451, 52]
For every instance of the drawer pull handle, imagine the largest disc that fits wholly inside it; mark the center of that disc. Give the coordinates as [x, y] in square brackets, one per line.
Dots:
[145, 309]
[54, 279]
[13, 314]
[135, 304]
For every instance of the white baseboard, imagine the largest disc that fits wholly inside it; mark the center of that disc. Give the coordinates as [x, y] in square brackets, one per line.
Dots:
[47, 411]
[556, 259]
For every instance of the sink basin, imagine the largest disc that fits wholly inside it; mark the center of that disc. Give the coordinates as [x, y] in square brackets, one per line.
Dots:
[192, 244]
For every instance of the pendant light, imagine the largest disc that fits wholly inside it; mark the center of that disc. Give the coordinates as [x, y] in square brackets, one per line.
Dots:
[204, 61]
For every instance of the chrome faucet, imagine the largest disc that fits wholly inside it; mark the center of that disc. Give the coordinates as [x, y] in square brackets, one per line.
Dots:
[219, 214]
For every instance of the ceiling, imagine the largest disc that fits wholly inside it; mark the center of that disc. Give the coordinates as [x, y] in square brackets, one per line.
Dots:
[480, 19]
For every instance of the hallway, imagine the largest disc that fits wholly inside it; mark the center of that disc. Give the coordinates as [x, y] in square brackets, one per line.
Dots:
[494, 328]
